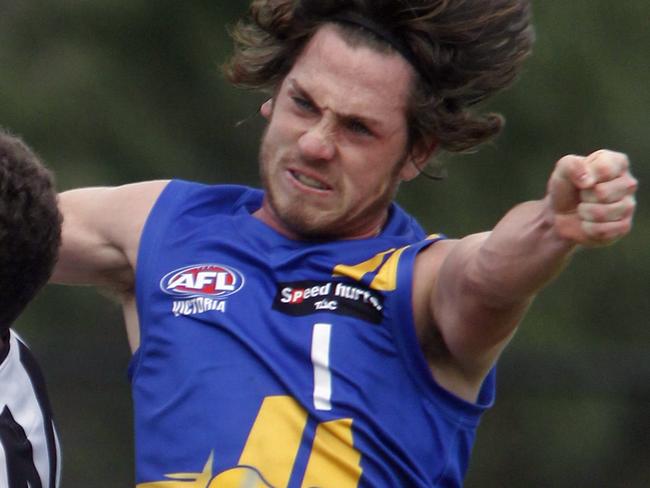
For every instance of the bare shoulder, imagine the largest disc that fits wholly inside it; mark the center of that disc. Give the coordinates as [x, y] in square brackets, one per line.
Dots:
[101, 232]
[432, 264]
[116, 196]
[425, 276]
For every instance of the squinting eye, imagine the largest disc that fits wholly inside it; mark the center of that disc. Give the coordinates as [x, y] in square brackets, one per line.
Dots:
[303, 104]
[358, 128]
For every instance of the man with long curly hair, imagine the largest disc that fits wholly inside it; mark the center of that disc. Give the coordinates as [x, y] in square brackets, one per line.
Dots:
[311, 333]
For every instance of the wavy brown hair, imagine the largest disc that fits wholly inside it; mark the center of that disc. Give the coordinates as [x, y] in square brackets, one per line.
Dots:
[30, 226]
[467, 49]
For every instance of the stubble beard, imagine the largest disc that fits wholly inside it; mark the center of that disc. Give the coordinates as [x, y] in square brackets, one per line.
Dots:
[294, 215]
[312, 224]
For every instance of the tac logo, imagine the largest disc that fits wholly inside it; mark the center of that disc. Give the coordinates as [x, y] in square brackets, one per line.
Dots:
[211, 280]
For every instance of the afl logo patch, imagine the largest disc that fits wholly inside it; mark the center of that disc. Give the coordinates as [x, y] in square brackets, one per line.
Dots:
[211, 280]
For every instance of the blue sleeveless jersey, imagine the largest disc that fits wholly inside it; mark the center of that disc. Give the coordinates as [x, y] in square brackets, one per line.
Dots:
[269, 362]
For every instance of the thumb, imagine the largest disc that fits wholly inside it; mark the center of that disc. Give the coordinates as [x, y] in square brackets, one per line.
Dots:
[570, 176]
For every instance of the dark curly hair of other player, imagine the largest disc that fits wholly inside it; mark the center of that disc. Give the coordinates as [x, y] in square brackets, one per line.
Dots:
[30, 226]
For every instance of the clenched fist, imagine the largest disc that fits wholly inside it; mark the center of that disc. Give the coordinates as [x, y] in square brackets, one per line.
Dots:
[592, 198]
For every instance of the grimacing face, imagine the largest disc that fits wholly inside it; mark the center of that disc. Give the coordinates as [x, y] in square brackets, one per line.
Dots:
[335, 147]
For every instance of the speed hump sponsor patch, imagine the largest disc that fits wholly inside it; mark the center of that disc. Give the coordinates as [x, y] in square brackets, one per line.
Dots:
[301, 298]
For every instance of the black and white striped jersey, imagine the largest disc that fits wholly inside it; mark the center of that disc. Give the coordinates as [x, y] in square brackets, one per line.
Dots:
[30, 455]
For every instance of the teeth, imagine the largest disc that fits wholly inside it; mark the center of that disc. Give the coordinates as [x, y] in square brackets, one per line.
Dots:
[311, 182]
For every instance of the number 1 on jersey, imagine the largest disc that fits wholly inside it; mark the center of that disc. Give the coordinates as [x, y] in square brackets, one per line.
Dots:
[320, 358]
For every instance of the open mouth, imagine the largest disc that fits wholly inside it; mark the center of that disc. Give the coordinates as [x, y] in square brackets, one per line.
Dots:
[309, 181]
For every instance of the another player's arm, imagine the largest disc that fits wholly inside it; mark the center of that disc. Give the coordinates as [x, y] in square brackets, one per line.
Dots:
[474, 292]
[101, 233]
[100, 239]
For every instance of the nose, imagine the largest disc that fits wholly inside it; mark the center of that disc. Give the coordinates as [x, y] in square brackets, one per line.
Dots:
[317, 143]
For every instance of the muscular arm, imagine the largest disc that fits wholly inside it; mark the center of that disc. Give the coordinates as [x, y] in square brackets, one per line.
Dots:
[100, 239]
[474, 292]
[101, 234]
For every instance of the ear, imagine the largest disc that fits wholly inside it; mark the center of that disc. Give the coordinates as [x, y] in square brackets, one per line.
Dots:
[267, 108]
[418, 159]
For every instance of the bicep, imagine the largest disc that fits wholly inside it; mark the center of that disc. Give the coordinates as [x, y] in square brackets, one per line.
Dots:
[101, 233]
[472, 326]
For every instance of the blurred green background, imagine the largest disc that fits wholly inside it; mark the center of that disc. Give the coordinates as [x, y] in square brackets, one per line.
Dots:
[114, 91]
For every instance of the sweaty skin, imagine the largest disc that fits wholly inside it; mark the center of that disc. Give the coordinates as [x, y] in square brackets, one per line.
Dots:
[332, 157]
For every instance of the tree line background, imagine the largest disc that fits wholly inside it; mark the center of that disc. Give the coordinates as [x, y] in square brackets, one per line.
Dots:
[115, 91]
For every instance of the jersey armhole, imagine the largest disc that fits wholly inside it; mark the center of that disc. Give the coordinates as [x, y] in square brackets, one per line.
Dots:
[454, 407]
[156, 224]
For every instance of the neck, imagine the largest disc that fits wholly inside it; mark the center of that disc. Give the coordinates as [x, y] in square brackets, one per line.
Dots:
[266, 214]
[271, 219]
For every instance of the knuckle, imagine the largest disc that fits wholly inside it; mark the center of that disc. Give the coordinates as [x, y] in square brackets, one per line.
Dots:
[628, 208]
[622, 157]
[609, 164]
[604, 169]
[570, 161]
[599, 153]
[599, 214]
[564, 166]
[607, 232]
[588, 196]
[622, 162]
[609, 154]
[585, 212]
[623, 211]
[601, 193]
[603, 235]
[596, 231]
